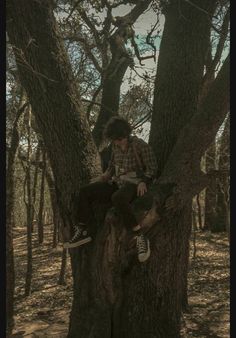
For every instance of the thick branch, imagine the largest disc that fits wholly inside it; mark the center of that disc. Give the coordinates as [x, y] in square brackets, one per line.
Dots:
[209, 76]
[140, 7]
[199, 133]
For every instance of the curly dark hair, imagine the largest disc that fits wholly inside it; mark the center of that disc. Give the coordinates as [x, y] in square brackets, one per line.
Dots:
[117, 127]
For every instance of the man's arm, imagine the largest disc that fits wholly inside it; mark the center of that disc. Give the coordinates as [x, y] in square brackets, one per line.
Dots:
[150, 162]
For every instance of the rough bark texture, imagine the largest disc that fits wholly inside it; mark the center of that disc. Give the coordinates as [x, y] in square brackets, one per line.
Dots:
[46, 75]
[35, 181]
[41, 199]
[179, 73]
[29, 208]
[117, 296]
[55, 210]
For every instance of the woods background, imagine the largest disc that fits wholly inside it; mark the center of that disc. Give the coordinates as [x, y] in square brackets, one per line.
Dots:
[67, 67]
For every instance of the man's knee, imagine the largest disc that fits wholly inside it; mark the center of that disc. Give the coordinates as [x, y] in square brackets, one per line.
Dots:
[117, 198]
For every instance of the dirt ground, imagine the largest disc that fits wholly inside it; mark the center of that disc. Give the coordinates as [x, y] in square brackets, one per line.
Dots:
[45, 313]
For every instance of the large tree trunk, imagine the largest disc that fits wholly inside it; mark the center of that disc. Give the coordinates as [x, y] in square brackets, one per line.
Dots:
[46, 75]
[117, 296]
[179, 73]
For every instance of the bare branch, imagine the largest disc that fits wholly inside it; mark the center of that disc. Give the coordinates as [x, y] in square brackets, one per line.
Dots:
[73, 9]
[87, 49]
[97, 91]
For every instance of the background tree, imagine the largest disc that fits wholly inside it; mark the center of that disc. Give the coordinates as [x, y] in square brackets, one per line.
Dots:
[116, 295]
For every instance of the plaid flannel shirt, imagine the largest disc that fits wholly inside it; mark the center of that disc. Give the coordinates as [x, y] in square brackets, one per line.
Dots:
[123, 163]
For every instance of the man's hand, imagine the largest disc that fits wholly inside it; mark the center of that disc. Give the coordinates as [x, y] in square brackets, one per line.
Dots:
[95, 179]
[102, 178]
[171, 203]
[141, 189]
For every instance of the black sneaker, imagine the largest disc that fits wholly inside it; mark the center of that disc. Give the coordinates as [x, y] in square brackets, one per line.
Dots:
[80, 237]
[143, 248]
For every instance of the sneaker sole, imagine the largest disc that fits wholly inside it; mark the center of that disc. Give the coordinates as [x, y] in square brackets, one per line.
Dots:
[147, 255]
[74, 245]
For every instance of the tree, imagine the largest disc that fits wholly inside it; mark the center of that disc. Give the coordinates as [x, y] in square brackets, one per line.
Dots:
[104, 42]
[211, 191]
[222, 206]
[114, 295]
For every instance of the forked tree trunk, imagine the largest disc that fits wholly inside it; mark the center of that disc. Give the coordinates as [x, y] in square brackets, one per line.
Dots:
[117, 296]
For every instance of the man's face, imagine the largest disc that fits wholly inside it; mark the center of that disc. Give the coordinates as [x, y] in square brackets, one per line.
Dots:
[121, 142]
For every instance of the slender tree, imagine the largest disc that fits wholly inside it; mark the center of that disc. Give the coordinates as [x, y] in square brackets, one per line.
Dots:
[41, 199]
[211, 190]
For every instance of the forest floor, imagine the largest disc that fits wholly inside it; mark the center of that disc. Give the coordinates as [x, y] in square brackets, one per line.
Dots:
[45, 313]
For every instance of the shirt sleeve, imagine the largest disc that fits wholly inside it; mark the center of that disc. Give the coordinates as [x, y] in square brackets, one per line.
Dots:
[111, 167]
[149, 161]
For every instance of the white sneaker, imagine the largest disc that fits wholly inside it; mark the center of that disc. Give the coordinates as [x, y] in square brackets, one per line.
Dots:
[143, 248]
[80, 237]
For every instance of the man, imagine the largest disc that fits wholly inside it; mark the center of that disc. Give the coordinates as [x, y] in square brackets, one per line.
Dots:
[131, 169]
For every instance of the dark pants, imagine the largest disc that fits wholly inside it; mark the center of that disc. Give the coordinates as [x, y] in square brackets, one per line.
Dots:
[105, 192]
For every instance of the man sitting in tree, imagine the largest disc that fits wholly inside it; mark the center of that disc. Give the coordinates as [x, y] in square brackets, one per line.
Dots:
[131, 169]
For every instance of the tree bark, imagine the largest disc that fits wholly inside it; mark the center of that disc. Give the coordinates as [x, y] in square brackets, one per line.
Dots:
[61, 280]
[46, 75]
[179, 73]
[41, 199]
[211, 190]
[29, 210]
[55, 210]
[34, 189]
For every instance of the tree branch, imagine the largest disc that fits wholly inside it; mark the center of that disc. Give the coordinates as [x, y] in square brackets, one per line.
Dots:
[199, 133]
[209, 75]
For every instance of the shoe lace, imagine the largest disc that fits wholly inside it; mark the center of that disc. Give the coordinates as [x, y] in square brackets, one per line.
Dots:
[78, 231]
[141, 244]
